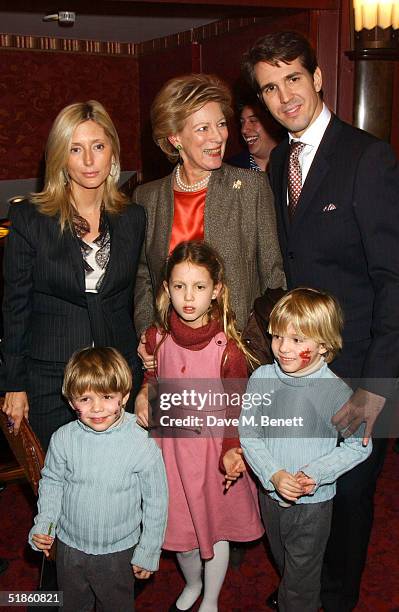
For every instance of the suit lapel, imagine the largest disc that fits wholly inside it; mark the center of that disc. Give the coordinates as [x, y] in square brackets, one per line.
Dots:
[71, 246]
[215, 203]
[279, 173]
[112, 267]
[158, 245]
[317, 172]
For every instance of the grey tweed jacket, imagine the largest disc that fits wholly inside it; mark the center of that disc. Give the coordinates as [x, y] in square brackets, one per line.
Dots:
[239, 221]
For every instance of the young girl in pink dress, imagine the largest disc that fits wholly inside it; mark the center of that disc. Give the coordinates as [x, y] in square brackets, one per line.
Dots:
[196, 338]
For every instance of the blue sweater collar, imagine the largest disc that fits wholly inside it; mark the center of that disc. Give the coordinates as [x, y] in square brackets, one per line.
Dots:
[300, 381]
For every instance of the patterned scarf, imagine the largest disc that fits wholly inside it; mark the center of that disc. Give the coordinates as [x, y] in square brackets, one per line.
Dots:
[252, 163]
[103, 241]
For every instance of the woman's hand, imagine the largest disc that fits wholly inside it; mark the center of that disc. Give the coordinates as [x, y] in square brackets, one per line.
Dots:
[16, 407]
[148, 361]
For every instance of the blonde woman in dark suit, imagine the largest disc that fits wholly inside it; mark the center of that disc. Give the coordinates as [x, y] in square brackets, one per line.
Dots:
[70, 267]
[204, 199]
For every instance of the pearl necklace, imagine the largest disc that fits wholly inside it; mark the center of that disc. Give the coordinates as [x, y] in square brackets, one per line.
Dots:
[195, 186]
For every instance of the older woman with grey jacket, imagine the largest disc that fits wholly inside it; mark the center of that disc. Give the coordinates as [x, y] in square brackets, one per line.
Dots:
[204, 199]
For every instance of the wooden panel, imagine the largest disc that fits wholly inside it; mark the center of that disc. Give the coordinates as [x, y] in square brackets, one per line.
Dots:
[305, 4]
[325, 36]
[223, 55]
[346, 66]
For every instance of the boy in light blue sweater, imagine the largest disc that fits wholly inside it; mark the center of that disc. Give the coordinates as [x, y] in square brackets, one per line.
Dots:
[103, 491]
[291, 445]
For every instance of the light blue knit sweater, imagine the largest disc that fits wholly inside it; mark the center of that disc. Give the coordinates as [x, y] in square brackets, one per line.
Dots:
[105, 491]
[311, 447]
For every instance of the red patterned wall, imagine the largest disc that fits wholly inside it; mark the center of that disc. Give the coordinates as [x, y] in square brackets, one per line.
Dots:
[36, 85]
[223, 55]
[154, 70]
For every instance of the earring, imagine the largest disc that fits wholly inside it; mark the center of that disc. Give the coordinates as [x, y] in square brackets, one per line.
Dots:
[178, 147]
[66, 176]
[114, 170]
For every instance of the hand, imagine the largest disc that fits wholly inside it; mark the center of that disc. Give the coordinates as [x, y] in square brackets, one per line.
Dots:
[16, 407]
[286, 485]
[307, 483]
[43, 542]
[142, 407]
[149, 363]
[140, 572]
[234, 466]
[362, 407]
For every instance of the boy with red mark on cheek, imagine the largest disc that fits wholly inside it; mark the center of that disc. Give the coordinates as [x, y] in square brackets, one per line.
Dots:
[298, 471]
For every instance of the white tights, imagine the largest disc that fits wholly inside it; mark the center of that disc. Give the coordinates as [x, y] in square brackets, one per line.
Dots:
[214, 573]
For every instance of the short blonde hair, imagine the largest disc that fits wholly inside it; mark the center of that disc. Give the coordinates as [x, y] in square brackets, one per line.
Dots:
[313, 314]
[55, 197]
[102, 370]
[179, 98]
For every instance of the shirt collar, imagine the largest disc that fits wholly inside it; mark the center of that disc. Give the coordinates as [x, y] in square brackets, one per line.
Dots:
[315, 132]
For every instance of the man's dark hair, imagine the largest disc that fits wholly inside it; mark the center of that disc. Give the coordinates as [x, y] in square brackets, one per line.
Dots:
[279, 47]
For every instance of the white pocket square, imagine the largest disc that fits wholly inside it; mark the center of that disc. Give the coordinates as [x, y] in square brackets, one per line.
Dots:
[329, 207]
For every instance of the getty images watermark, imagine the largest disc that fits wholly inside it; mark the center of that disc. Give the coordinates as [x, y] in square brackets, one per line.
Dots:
[209, 403]
[216, 408]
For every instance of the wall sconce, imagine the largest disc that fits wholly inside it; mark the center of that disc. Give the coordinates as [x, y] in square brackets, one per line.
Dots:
[376, 48]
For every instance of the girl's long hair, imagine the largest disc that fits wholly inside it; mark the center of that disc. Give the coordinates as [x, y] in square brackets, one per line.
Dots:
[56, 195]
[202, 254]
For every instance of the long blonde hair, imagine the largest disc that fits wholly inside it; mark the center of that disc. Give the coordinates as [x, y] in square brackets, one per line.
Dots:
[202, 254]
[56, 195]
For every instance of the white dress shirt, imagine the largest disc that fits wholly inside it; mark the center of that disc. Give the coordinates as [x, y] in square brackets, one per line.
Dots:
[311, 138]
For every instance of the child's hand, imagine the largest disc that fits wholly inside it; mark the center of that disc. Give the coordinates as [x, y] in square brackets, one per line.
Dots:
[43, 542]
[140, 572]
[234, 466]
[307, 483]
[142, 409]
[286, 485]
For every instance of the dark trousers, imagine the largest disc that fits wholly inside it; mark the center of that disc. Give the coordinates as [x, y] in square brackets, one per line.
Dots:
[48, 409]
[352, 520]
[103, 582]
[353, 509]
[297, 536]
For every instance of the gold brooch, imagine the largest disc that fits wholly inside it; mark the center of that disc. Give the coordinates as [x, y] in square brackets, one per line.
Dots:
[237, 184]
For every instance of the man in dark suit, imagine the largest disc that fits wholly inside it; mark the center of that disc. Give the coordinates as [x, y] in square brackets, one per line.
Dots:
[338, 225]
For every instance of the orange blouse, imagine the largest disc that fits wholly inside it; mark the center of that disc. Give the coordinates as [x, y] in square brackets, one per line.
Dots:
[188, 217]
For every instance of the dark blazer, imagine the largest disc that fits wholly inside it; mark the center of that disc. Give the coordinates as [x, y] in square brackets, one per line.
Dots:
[241, 160]
[239, 222]
[344, 238]
[47, 314]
